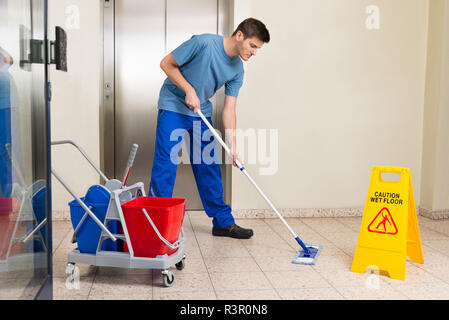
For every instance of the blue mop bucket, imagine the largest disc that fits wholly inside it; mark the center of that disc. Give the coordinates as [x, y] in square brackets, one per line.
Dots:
[89, 232]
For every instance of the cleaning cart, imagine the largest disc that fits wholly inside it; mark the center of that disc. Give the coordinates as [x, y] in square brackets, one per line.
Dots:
[149, 229]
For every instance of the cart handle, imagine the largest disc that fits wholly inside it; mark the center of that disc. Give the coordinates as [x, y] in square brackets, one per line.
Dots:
[83, 153]
[79, 225]
[83, 205]
[170, 245]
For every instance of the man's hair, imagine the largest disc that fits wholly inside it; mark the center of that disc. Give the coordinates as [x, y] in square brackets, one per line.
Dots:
[253, 28]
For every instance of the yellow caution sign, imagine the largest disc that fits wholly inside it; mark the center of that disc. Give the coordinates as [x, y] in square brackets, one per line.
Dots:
[389, 231]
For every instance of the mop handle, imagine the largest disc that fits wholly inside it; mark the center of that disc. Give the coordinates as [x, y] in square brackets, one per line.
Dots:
[132, 155]
[217, 136]
[248, 176]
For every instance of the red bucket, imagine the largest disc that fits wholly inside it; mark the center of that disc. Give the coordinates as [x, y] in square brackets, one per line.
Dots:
[166, 213]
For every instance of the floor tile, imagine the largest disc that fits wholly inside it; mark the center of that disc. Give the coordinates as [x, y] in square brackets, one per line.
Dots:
[351, 222]
[12, 288]
[240, 281]
[233, 265]
[184, 295]
[123, 285]
[330, 249]
[268, 294]
[282, 262]
[430, 234]
[192, 250]
[271, 250]
[343, 277]
[304, 277]
[325, 225]
[129, 296]
[78, 297]
[441, 245]
[413, 275]
[64, 287]
[441, 226]
[438, 271]
[425, 291]
[339, 261]
[433, 257]
[221, 248]
[310, 294]
[184, 282]
[384, 292]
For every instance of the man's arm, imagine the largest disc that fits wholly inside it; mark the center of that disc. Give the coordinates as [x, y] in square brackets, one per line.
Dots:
[229, 124]
[171, 69]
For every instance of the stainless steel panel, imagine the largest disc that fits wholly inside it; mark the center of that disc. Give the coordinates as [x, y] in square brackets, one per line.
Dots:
[107, 125]
[186, 18]
[225, 28]
[139, 48]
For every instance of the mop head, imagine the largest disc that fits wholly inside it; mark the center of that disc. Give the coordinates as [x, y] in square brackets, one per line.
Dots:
[307, 258]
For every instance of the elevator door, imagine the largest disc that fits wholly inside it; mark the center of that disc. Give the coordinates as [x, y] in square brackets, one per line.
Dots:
[144, 32]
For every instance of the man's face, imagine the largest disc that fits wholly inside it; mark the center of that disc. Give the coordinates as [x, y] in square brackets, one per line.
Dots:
[248, 47]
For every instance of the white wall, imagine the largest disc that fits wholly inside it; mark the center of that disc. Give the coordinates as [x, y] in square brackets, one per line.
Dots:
[435, 182]
[441, 200]
[343, 98]
[75, 97]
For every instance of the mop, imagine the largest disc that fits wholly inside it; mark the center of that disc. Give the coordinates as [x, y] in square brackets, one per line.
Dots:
[308, 253]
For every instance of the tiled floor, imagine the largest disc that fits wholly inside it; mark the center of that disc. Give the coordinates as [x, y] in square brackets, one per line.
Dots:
[261, 268]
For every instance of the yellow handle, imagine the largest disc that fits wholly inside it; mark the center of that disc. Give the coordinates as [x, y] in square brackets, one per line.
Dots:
[390, 169]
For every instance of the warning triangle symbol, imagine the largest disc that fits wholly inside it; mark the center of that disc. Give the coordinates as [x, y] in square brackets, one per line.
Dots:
[383, 223]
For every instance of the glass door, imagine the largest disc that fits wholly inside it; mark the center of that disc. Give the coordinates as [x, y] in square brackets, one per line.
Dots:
[25, 222]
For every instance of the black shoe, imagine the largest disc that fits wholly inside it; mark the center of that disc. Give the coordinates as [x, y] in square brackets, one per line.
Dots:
[233, 231]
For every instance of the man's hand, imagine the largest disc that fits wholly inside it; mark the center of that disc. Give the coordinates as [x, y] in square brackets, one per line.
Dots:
[192, 100]
[236, 156]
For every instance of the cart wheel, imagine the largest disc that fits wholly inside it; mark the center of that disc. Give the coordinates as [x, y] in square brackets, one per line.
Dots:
[168, 278]
[181, 264]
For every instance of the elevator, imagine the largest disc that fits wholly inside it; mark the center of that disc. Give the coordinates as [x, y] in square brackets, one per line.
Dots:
[137, 35]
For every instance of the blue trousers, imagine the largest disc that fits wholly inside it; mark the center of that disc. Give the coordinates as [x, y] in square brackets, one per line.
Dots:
[172, 129]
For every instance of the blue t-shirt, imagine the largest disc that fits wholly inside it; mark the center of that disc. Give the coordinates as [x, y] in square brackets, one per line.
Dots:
[204, 63]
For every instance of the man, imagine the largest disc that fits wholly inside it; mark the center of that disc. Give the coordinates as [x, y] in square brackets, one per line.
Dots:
[196, 70]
